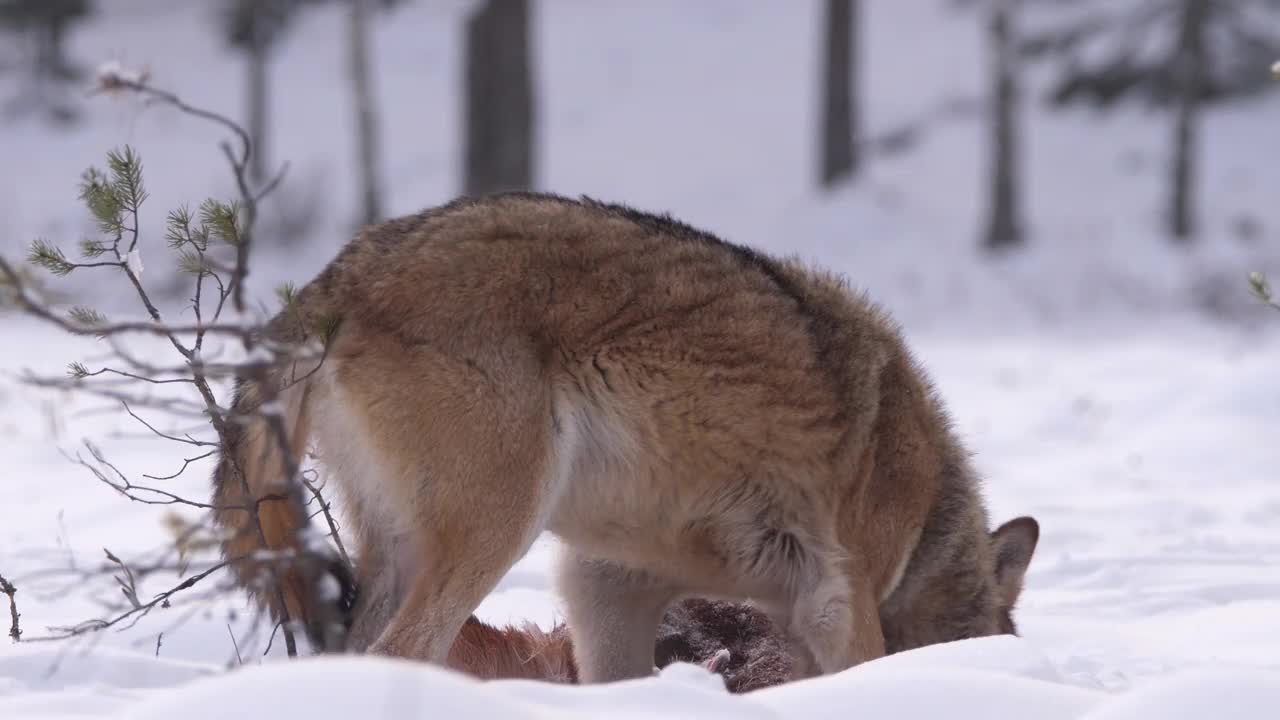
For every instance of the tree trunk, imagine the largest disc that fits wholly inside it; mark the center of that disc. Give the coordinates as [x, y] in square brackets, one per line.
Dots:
[500, 110]
[840, 156]
[256, 102]
[48, 51]
[367, 146]
[1004, 224]
[1189, 71]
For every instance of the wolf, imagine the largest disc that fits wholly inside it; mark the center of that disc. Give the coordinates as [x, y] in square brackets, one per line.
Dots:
[689, 417]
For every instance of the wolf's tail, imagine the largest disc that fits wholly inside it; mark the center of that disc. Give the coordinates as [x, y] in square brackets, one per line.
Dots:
[263, 513]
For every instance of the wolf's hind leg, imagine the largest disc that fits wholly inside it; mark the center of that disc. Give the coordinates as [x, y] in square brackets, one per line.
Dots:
[613, 615]
[461, 450]
[461, 554]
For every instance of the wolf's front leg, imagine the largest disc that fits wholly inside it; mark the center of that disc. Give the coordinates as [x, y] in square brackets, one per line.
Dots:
[838, 621]
[613, 615]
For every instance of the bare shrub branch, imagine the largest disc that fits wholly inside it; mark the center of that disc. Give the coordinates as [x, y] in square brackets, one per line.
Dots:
[134, 614]
[114, 198]
[10, 591]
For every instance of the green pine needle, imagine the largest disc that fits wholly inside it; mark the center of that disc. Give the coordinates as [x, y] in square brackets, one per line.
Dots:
[326, 326]
[1259, 286]
[192, 263]
[126, 177]
[48, 256]
[87, 317]
[287, 293]
[98, 195]
[221, 221]
[91, 248]
[178, 227]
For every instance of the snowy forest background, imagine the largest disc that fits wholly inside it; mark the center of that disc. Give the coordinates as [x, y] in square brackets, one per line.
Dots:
[1061, 201]
[1120, 144]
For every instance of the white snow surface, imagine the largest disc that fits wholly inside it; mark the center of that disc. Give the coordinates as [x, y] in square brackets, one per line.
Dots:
[1124, 395]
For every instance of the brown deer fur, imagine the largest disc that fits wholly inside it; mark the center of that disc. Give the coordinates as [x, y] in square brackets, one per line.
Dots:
[525, 653]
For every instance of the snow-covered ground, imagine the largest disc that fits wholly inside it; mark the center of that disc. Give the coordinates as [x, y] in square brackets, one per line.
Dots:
[1125, 395]
[1156, 585]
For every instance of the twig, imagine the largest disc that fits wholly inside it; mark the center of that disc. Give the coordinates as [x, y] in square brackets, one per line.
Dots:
[129, 489]
[132, 376]
[239, 166]
[128, 584]
[8, 589]
[174, 405]
[328, 518]
[159, 329]
[272, 638]
[142, 610]
[83, 575]
[185, 463]
[188, 440]
[273, 183]
[119, 82]
[235, 644]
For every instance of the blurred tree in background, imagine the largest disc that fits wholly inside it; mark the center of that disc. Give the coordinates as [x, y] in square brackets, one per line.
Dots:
[368, 155]
[254, 27]
[1003, 227]
[500, 111]
[43, 24]
[1004, 215]
[839, 155]
[1172, 55]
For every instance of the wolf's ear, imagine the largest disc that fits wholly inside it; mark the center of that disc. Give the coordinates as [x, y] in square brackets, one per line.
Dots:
[1013, 543]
